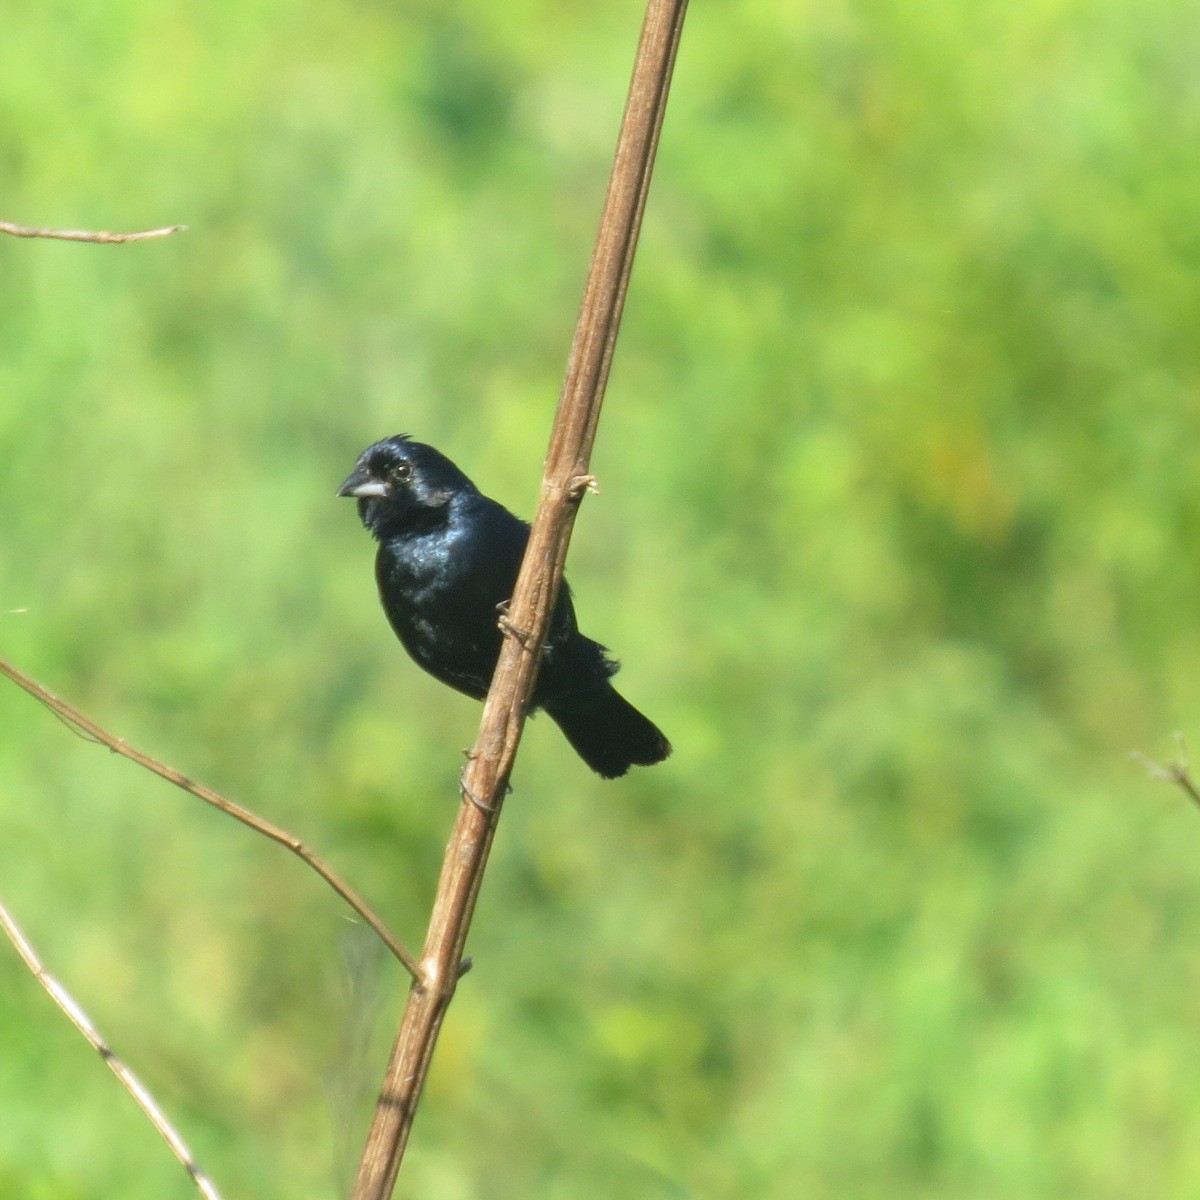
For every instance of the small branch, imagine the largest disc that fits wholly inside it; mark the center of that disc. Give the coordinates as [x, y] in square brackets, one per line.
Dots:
[101, 236]
[89, 729]
[1178, 772]
[485, 778]
[129, 1081]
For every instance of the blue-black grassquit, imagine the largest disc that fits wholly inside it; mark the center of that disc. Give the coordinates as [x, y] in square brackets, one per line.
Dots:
[447, 563]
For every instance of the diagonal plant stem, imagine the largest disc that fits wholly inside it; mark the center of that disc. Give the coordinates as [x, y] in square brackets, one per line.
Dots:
[1178, 771]
[566, 478]
[129, 1081]
[87, 235]
[96, 733]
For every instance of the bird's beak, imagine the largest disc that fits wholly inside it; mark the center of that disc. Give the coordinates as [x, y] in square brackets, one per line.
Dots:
[362, 485]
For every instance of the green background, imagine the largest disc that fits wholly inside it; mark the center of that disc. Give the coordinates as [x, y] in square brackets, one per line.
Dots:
[897, 539]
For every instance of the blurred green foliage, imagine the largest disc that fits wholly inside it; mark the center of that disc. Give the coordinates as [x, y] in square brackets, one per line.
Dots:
[897, 538]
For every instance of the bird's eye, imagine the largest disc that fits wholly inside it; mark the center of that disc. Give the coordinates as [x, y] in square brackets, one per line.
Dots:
[400, 472]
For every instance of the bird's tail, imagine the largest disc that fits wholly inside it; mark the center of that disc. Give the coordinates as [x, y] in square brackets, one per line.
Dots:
[607, 732]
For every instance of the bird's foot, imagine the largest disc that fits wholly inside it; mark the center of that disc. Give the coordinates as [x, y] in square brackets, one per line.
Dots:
[508, 628]
[469, 795]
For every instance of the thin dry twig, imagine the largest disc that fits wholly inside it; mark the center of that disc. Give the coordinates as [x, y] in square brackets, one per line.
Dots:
[88, 729]
[1178, 772]
[102, 236]
[566, 478]
[129, 1081]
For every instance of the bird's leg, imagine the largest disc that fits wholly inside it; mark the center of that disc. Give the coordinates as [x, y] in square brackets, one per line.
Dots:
[468, 793]
[508, 628]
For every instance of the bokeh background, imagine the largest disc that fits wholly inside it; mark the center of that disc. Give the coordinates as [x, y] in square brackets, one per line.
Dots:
[897, 539]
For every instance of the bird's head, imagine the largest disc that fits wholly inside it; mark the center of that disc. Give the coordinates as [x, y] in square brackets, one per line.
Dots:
[402, 486]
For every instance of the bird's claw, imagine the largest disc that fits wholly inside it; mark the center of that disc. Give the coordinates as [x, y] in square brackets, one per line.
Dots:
[508, 628]
[469, 794]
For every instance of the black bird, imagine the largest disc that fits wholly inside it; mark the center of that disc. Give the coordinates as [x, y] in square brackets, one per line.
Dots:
[447, 564]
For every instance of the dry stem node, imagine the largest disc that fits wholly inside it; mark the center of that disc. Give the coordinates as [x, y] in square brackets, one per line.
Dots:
[582, 484]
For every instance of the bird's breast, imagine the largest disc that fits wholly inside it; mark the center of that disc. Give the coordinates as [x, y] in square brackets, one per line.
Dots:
[442, 607]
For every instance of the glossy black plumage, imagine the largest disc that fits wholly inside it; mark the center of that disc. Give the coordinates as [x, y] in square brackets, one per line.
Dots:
[448, 559]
